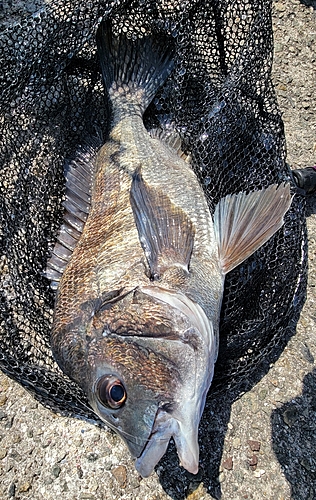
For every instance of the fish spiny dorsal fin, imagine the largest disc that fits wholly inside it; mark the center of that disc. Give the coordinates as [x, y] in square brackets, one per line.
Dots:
[79, 174]
[171, 138]
[165, 231]
[244, 222]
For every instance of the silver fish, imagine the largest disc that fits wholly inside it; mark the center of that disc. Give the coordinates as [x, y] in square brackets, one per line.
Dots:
[140, 266]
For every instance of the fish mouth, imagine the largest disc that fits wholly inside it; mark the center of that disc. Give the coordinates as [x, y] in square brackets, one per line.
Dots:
[166, 427]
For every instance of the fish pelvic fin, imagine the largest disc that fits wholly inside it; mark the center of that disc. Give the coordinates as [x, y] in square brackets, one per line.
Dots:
[133, 69]
[165, 231]
[244, 222]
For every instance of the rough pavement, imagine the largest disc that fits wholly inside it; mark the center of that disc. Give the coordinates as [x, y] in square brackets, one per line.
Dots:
[263, 446]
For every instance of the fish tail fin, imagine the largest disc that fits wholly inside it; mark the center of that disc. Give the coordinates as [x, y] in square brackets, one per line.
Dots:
[244, 222]
[132, 69]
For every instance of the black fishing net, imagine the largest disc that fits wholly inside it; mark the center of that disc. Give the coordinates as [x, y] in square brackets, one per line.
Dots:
[222, 102]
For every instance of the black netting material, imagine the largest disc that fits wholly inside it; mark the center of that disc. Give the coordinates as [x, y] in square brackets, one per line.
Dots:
[222, 101]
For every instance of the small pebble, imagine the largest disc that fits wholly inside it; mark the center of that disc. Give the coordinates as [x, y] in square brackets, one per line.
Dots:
[9, 423]
[282, 86]
[56, 470]
[120, 475]
[259, 473]
[306, 464]
[3, 399]
[16, 437]
[198, 494]
[92, 457]
[253, 462]
[78, 441]
[93, 485]
[307, 354]
[29, 433]
[279, 7]
[228, 463]
[61, 456]
[238, 408]
[65, 486]
[25, 487]
[236, 442]
[221, 477]
[290, 416]
[254, 445]
[274, 382]
[11, 490]
[239, 476]
[4, 383]
[262, 394]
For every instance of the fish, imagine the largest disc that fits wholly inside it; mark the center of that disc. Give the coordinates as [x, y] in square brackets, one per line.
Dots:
[140, 264]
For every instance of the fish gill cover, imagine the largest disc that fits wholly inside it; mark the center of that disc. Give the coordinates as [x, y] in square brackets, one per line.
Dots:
[221, 100]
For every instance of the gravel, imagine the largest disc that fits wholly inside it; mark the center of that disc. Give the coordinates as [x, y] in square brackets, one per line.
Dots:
[261, 446]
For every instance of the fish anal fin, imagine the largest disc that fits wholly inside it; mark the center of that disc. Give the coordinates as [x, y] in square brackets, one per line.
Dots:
[244, 222]
[165, 231]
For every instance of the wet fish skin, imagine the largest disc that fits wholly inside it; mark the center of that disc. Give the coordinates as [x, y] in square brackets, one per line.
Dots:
[140, 298]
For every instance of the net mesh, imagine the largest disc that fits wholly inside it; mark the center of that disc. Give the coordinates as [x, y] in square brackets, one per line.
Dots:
[221, 99]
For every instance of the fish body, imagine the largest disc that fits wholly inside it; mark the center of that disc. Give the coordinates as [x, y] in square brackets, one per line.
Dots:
[137, 307]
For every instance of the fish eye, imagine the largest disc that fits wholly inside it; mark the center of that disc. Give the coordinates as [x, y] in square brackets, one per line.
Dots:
[111, 392]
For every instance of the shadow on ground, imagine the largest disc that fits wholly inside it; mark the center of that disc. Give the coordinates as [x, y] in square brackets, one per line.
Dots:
[309, 3]
[294, 440]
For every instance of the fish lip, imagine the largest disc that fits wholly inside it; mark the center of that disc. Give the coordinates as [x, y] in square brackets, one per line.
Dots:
[164, 428]
[133, 442]
[146, 467]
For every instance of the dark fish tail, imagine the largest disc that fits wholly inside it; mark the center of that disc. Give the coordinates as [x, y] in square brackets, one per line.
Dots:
[133, 69]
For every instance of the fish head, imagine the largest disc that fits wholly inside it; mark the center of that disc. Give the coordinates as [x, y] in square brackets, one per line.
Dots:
[150, 367]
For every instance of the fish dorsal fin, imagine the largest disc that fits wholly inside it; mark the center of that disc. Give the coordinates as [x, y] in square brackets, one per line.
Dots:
[79, 174]
[171, 138]
[165, 231]
[244, 222]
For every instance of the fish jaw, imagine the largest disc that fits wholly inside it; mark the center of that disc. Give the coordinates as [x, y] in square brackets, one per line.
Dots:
[164, 428]
[182, 425]
[185, 435]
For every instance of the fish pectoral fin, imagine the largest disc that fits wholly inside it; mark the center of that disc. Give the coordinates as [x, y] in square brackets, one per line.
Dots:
[244, 222]
[165, 231]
